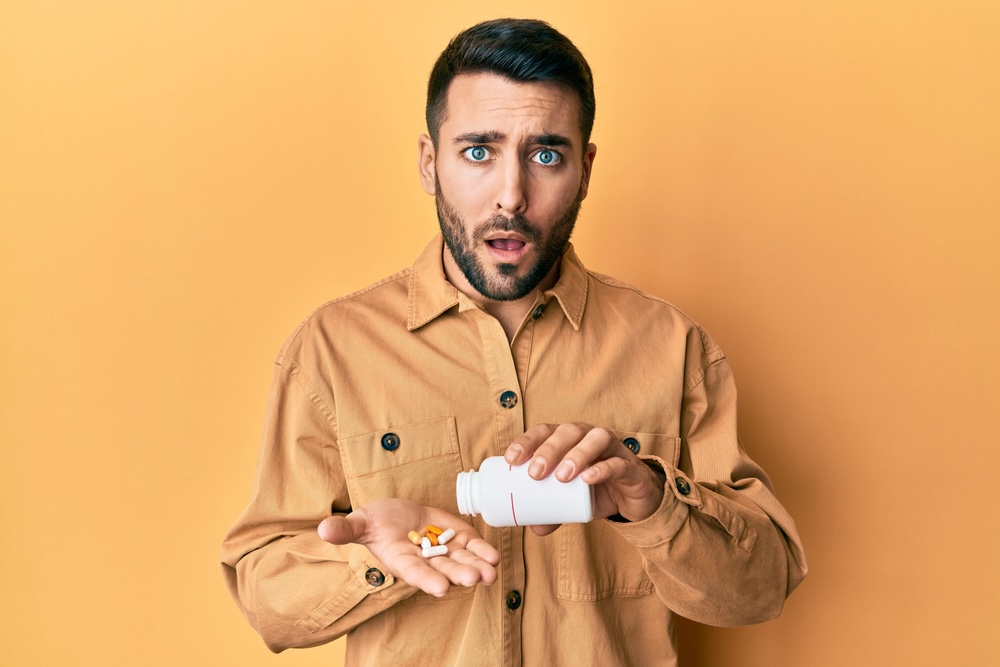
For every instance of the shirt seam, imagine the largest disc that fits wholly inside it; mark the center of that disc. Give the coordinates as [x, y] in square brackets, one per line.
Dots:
[294, 371]
[399, 275]
[296, 374]
[618, 284]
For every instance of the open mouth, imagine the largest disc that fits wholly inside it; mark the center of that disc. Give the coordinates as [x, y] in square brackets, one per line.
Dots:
[507, 249]
[507, 245]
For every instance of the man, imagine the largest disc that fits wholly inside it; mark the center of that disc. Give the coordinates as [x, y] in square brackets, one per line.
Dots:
[497, 341]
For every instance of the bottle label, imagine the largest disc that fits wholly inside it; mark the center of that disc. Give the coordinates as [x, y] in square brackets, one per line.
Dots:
[508, 496]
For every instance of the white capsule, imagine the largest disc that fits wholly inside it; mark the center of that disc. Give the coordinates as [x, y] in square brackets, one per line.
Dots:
[439, 550]
[426, 543]
[446, 536]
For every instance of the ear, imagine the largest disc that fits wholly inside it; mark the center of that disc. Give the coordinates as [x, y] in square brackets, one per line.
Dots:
[425, 163]
[588, 166]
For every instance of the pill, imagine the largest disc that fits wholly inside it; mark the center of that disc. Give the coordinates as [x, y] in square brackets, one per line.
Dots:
[432, 529]
[414, 537]
[446, 536]
[430, 552]
[434, 539]
[426, 543]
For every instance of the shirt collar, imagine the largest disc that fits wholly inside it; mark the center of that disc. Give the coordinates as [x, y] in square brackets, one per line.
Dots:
[571, 288]
[430, 293]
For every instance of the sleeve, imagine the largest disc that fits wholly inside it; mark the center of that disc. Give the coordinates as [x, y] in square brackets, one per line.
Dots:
[295, 589]
[720, 549]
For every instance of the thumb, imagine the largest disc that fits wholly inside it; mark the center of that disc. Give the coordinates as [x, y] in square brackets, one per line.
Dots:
[341, 529]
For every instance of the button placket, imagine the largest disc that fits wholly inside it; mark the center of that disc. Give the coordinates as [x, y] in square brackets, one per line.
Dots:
[501, 367]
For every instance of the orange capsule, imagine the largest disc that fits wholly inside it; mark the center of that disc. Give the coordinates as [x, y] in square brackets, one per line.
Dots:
[433, 538]
[432, 529]
[414, 537]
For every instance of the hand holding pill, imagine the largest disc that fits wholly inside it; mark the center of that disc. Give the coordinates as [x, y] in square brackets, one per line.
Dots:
[622, 483]
[384, 527]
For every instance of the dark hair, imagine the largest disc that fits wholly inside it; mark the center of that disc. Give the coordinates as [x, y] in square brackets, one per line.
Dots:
[522, 50]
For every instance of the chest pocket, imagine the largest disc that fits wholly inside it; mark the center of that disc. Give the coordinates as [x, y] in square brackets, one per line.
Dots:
[417, 461]
[595, 562]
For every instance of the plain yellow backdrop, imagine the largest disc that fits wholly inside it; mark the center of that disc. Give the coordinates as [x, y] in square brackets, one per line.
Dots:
[182, 182]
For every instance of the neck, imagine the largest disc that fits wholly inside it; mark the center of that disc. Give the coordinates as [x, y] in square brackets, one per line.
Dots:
[510, 314]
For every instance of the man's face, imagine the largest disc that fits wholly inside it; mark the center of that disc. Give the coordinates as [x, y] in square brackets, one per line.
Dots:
[508, 175]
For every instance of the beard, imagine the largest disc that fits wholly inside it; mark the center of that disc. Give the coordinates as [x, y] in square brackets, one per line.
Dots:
[502, 282]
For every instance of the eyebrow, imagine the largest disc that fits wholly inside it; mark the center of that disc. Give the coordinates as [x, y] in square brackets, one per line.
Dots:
[550, 140]
[490, 137]
[495, 136]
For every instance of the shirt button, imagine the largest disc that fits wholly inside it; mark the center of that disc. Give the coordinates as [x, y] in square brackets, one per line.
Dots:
[513, 600]
[682, 486]
[508, 399]
[374, 576]
[390, 442]
[538, 311]
[632, 444]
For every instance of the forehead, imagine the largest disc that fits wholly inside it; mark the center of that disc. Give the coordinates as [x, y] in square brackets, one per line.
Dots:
[484, 102]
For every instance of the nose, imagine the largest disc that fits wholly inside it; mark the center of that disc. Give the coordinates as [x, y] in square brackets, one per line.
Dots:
[512, 197]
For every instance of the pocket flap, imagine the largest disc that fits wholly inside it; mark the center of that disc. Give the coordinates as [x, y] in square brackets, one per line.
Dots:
[418, 461]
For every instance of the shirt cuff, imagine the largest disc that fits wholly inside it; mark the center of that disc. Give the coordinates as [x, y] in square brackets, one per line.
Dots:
[679, 495]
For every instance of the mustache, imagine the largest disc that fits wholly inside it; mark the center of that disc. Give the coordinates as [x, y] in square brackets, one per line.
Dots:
[499, 223]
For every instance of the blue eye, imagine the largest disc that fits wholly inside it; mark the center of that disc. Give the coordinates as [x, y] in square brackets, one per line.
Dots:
[476, 153]
[547, 157]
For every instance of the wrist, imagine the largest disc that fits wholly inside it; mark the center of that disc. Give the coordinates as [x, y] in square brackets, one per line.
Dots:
[653, 499]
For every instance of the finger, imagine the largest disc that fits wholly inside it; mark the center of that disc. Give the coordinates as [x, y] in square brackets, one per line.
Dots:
[341, 529]
[542, 531]
[608, 470]
[630, 476]
[523, 447]
[484, 550]
[457, 572]
[593, 445]
[419, 573]
[551, 451]
[485, 572]
[624, 486]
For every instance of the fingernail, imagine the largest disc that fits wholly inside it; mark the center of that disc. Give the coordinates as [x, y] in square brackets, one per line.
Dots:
[537, 467]
[565, 470]
[513, 453]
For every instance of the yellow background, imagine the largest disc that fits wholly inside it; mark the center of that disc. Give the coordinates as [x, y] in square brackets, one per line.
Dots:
[181, 182]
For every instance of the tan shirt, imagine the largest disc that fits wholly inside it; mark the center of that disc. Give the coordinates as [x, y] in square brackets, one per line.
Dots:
[411, 355]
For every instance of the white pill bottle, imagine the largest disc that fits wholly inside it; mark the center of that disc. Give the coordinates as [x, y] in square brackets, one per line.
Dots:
[506, 495]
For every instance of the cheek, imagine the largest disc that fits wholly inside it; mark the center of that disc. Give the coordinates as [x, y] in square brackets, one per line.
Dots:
[553, 198]
[467, 193]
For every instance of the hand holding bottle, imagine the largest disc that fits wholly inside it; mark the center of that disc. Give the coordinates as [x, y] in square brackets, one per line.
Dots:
[622, 483]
